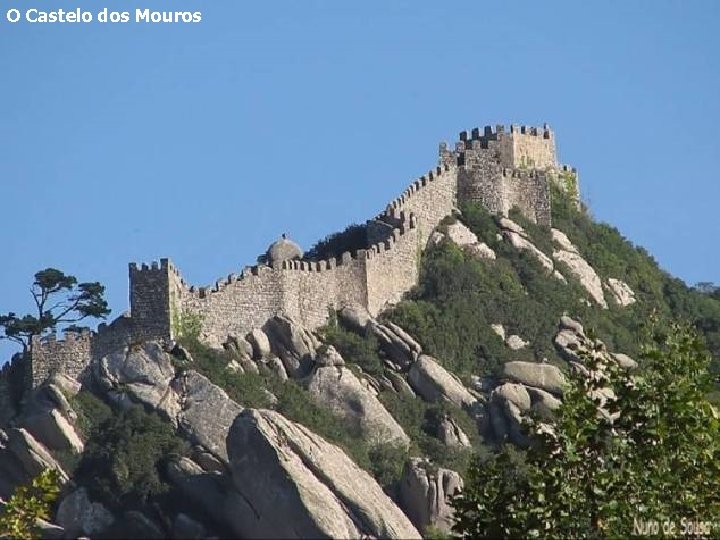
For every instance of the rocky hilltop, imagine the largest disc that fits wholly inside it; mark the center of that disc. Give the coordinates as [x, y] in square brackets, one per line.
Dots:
[326, 397]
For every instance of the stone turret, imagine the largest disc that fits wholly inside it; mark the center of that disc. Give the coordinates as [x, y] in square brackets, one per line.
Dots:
[283, 250]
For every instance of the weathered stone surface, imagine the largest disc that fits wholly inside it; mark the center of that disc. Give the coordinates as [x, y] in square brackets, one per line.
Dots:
[561, 239]
[434, 383]
[140, 525]
[54, 431]
[481, 250]
[571, 324]
[499, 329]
[450, 433]
[280, 468]
[240, 345]
[621, 292]
[425, 493]
[399, 384]
[544, 376]
[139, 375]
[400, 347]
[508, 403]
[459, 234]
[276, 366]
[624, 361]
[579, 267]
[68, 385]
[205, 489]
[207, 412]
[260, 344]
[339, 389]
[328, 356]
[32, 456]
[543, 402]
[355, 317]
[516, 394]
[515, 234]
[584, 273]
[79, 516]
[295, 345]
[515, 342]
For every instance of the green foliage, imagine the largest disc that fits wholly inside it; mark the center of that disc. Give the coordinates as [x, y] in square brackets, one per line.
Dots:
[360, 350]
[186, 325]
[354, 237]
[599, 466]
[59, 299]
[91, 411]
[29, 504]
[122, 461]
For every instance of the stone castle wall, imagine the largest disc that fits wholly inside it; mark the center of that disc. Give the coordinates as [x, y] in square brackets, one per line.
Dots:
[502, 170]
[499, 168]
[70, 356]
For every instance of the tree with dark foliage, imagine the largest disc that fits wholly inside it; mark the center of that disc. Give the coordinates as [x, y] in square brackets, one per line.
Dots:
[59, 299]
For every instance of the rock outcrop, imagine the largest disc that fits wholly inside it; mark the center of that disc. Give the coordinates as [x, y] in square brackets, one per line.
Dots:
[516, 235]
[293, 344]
[139, 375]
[206, 413]
[579, 267]
[337, 387]
[434, 383]
[544, 376]
[400, 347]
[425, 493]
[620, 292]
[280, 468]
[79, 516]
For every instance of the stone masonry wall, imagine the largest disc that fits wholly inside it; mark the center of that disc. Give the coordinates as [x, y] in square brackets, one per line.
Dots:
[498, 168]
[70, 356]
[502, 170]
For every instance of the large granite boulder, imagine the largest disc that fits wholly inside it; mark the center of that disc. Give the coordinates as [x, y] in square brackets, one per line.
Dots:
[28, 457]
[293, 344]
[208, 491]
[451, 434]
[400, 347]
[516, 235]
[54, 431]
[207, 412]
[259, 344]
[508, 404]
[356, 318]
[579, 267]
[544, 376]
[79, 516]
[291, 483]
[140, 374]
[620, 292]
[341, 391]
[425, 494]
[434, 383]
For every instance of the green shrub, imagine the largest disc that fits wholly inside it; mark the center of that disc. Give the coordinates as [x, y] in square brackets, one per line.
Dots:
[122, 460]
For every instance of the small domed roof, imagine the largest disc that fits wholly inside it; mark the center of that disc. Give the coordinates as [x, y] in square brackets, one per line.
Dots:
[283, 250]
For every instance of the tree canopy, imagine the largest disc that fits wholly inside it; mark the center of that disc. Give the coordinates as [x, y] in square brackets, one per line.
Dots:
[59, 299]
[627, 453]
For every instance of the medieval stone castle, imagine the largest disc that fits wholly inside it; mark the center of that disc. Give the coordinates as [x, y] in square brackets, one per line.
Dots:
[498, 167]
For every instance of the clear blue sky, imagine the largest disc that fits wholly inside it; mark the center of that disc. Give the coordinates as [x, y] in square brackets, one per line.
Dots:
[204, 142]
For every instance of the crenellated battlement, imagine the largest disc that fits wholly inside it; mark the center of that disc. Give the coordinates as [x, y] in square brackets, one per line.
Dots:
[500, 166]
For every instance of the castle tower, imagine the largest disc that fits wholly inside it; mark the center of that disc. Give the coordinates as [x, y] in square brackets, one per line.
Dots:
[503, 169]
[155, 299]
